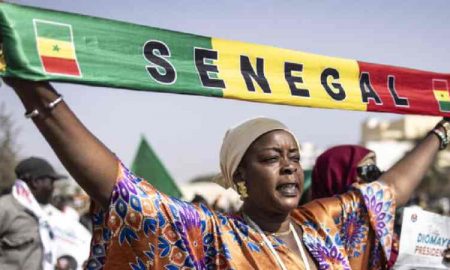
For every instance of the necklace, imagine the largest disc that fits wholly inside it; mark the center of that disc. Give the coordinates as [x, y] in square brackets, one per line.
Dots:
[272, 249]
[277, 234]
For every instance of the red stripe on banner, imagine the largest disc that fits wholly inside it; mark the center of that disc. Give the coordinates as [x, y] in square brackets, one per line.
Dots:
[60, 65]
[400, 90]
[440, 85]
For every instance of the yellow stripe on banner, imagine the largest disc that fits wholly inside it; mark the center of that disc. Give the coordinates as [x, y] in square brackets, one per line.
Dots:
[228, 63]
[441, 95]
[55, 48]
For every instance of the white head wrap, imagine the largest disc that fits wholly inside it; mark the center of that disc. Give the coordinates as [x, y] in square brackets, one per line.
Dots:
[236, 142]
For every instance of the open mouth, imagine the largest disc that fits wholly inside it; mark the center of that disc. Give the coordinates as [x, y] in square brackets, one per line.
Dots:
[288, 189]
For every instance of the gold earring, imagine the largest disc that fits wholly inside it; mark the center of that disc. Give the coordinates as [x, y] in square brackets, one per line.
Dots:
[242, 190]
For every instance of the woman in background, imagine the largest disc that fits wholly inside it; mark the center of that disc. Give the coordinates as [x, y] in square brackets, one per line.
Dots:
[339, 167]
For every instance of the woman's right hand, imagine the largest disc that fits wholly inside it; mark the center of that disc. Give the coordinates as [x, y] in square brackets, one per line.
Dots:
[89, 162]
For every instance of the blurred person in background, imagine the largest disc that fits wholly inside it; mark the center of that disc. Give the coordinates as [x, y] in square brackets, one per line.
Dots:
[64, 204]
[339, 167]
[26, 236]
[70, 236]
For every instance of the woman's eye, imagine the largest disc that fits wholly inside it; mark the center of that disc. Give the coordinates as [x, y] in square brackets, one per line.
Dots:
[295, 158]
[270, 159]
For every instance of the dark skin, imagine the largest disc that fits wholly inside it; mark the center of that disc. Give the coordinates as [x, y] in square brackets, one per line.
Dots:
[94, 166]
[272, 161]
[42, 189]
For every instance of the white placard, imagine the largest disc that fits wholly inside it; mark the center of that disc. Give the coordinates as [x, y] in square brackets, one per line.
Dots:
[424, 237]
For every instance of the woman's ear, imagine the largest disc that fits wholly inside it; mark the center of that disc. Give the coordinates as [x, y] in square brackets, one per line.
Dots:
[239, 182]
[237, 176]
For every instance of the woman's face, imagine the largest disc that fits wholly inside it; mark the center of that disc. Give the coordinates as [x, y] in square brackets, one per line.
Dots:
[272, 173]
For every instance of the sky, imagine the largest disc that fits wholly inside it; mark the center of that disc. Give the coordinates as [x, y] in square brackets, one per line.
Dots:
[186, 131]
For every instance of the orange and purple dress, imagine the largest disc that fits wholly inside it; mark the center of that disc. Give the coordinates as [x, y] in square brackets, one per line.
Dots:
[146, 229]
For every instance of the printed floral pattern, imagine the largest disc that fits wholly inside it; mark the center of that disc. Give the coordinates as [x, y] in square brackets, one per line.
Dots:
[354, 229]
[145, 229]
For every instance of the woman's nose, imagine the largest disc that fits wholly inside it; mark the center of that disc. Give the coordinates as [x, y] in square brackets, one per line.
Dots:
[288, 168]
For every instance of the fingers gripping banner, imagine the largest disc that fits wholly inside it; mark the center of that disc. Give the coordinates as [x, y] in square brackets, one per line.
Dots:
[41, 44]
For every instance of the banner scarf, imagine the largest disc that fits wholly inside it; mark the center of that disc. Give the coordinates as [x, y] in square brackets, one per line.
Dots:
[40, 44]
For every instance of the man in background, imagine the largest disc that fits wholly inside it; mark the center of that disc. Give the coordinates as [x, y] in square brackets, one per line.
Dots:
[26, 237]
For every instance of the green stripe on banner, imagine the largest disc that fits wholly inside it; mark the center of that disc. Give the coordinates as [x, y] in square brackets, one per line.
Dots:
[105, 59]
[53, 30]
[444, 106]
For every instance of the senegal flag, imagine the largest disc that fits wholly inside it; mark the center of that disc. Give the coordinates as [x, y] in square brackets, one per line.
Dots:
[56, 48]
[440, 90]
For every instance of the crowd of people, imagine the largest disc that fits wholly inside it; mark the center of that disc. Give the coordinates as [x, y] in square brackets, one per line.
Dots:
[349, 224]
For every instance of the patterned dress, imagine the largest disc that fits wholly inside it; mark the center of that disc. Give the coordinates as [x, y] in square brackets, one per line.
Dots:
[145, 229]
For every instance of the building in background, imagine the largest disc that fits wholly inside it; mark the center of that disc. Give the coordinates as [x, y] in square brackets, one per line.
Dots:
[392, 139]
[309, 154]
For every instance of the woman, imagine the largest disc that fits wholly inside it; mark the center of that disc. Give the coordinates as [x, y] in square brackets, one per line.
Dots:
[338, 168]
[137, 227]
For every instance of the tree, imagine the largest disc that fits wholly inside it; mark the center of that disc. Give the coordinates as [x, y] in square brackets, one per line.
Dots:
[8, 150]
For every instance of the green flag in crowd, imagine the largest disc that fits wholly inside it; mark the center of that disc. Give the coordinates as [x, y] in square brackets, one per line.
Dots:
[147, 165]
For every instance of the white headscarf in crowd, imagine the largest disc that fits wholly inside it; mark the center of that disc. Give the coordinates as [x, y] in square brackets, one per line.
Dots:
[236, 142]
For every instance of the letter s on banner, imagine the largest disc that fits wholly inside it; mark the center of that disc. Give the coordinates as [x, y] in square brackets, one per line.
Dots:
[160, 69]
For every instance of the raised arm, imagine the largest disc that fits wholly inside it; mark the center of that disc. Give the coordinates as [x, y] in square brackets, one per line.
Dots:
[89, 162]
[407, 173]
